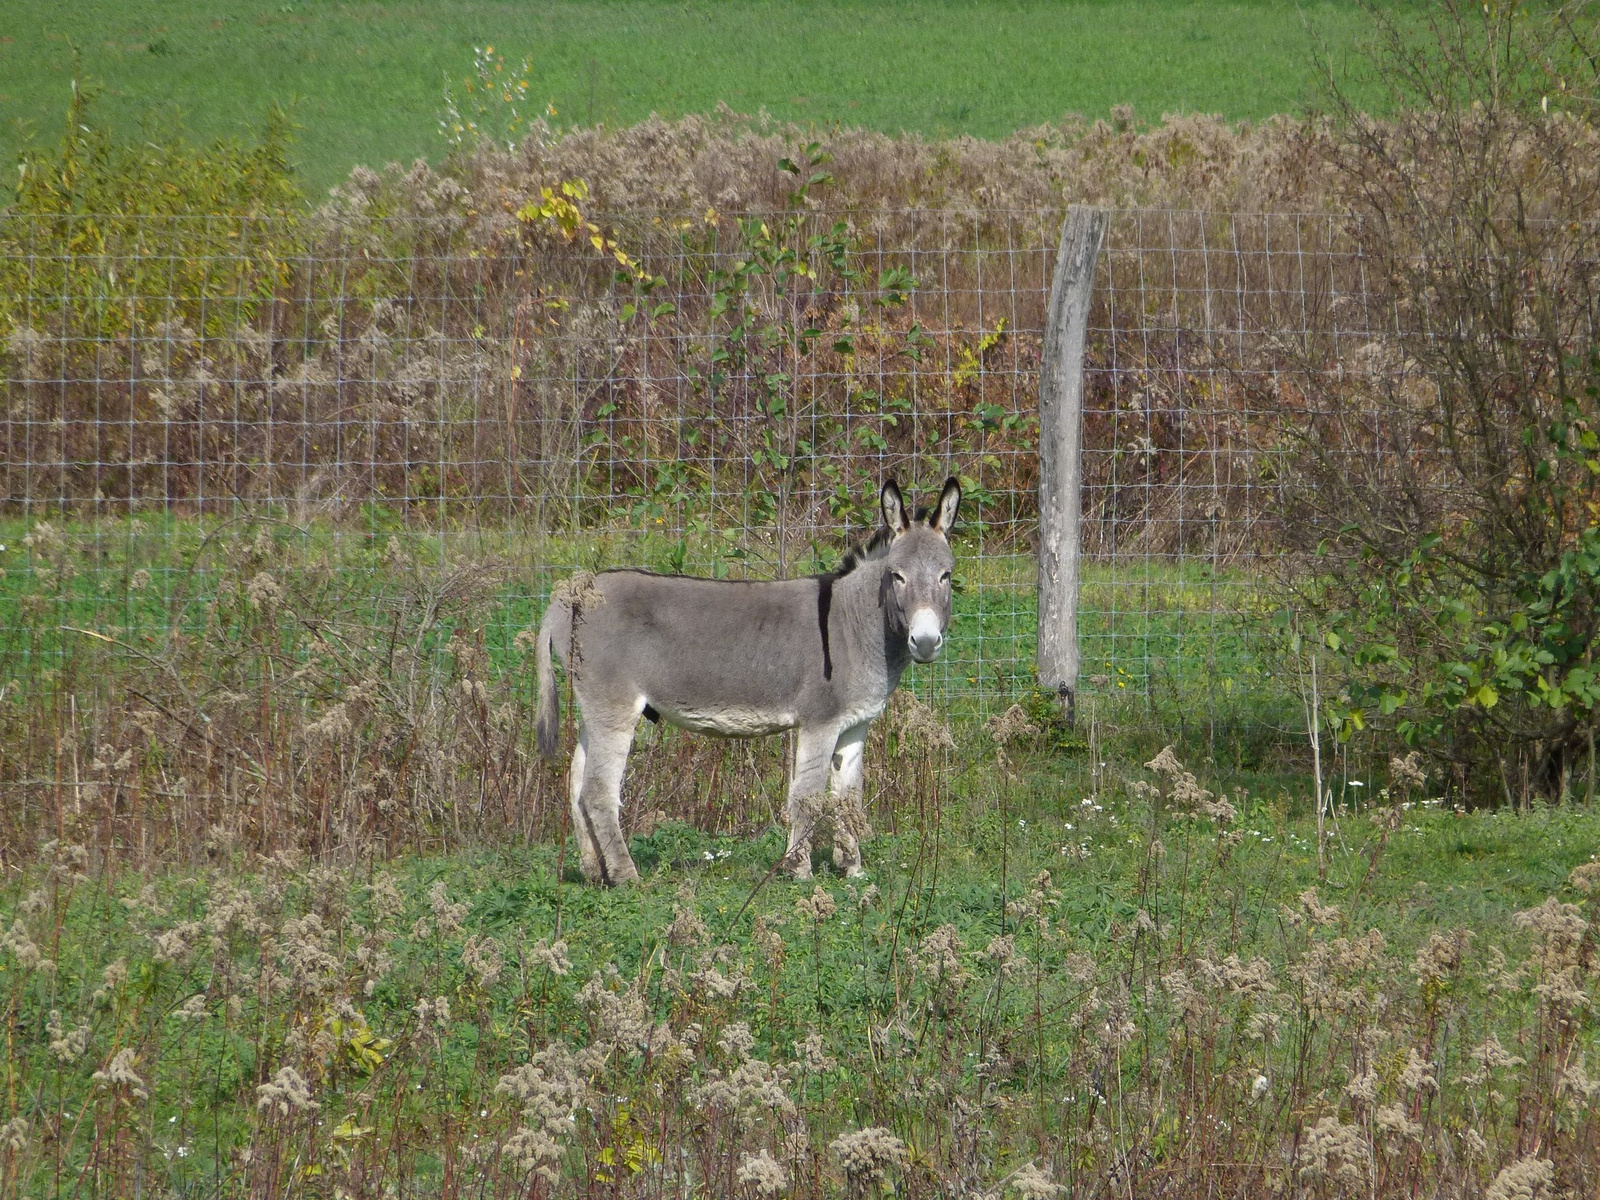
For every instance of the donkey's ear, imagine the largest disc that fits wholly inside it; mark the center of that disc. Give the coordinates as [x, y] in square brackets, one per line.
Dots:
[944, 512]
[896, 518]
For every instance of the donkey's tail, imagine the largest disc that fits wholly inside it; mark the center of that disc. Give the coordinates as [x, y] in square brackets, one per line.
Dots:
[547, 717]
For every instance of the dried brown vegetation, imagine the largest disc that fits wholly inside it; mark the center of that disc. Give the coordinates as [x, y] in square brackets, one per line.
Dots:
[1449, 476]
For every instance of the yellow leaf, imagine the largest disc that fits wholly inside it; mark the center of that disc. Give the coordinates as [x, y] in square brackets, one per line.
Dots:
[349, 1131]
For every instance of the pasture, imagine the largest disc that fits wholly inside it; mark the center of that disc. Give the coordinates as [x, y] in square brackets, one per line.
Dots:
[367, 78]
[291, 906]
[1074, 963]
[1052, 978]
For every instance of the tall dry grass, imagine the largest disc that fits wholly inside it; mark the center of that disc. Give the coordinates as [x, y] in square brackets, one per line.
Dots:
[273, 1027]
[419, 345]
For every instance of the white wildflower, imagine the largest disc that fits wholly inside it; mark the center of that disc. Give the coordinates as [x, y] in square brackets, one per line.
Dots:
[763, 1173]
[482, 957]
[1032, 1182]
[553, 957]
[119, 1072]
[737, 1041]
[1334, 1152]
[287, 1093]
[1393, 1119]
[447, 917]
[264, 593]
[66, 1047]
[818, 906]
[192, 1009]
[1526, 1179]
[812, 1054]
[867, 1155]
[14, 1135]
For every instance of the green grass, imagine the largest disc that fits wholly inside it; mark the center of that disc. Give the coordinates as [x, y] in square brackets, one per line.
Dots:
[368, 75]
[1164, 647]
[854, 977]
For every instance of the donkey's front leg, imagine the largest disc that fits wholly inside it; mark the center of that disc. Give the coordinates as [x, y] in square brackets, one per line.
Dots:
[599, 807]
[844, 789]
[807, 794]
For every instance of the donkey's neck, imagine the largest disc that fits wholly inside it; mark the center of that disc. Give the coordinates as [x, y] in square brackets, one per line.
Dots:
[880, 654]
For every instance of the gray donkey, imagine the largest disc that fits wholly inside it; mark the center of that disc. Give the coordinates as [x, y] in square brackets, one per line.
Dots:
[818, 655]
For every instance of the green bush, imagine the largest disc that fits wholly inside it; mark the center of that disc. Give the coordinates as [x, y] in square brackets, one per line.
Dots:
[1480, 649]
[102, 238]
[1451, 489]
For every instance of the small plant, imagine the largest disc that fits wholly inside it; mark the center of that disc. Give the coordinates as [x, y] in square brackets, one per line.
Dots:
[491, 105]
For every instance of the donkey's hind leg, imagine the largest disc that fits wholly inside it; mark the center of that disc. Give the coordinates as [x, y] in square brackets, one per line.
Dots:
[597, 805]
[587, 858]
[844, 787]
[807, 795]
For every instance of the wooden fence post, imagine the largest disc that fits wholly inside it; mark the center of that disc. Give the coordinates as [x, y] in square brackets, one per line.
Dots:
[1060, 449]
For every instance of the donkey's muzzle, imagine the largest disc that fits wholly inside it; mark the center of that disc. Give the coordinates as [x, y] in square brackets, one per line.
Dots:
[925, 636]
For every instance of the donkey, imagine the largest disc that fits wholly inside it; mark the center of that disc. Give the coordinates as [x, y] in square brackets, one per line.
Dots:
[818, 655]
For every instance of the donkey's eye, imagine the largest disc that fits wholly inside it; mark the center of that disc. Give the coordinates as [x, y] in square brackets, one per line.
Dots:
[898, 578]
[945, 578]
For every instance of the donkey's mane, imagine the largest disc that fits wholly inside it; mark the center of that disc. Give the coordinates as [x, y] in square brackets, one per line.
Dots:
[872, 547]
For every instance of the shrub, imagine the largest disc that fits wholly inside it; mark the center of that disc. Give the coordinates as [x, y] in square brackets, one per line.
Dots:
[1448, 481]
[108, 239]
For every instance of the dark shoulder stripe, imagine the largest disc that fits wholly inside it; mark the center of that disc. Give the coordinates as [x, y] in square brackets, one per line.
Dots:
[824, 607]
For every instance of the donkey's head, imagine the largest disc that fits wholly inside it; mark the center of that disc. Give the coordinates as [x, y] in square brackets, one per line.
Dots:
[915, 589]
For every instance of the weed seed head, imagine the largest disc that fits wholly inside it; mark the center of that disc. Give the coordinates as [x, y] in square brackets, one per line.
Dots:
[119, 1073]
[1526, 1179]
[288, 1093]
[868, 1155]
[762, 1173]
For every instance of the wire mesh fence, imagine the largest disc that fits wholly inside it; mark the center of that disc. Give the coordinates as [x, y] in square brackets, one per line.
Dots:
[1214, 337]
[212, 422]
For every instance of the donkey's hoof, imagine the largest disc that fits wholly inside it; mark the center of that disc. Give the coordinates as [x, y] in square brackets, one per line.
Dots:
[797, 860]
[602, 876]
[847, 861]
[624, 874]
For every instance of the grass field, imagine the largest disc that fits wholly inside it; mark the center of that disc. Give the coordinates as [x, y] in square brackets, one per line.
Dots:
[1164, 647]
[369, 75]
[1168, 1006]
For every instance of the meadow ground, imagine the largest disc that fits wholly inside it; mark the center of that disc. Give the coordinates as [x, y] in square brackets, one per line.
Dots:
[368, 77]
[1069, 952]
[1170, 1004]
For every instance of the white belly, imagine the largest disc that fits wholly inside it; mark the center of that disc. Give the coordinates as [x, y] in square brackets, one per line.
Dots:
[722, 721]
[862, 713]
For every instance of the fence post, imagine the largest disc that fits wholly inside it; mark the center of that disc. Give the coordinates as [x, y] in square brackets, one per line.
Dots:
[1060, 449]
